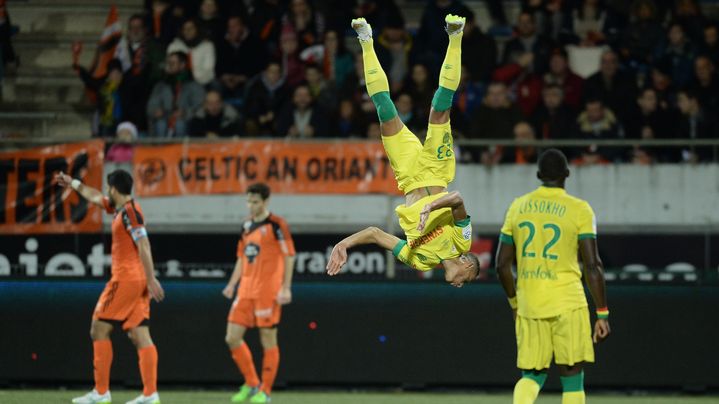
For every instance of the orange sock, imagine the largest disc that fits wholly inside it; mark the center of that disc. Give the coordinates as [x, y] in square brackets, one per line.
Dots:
[243, 359]
[148, 368]
[102, 361]
[270, 365]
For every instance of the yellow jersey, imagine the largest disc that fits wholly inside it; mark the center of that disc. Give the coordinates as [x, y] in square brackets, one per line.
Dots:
[545, 226]
[442, 238]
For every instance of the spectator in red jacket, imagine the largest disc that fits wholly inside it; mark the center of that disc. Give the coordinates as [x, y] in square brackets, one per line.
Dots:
[525, 87]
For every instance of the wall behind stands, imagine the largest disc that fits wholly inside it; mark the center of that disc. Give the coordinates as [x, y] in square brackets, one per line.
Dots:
[626, 198]
[412, 334]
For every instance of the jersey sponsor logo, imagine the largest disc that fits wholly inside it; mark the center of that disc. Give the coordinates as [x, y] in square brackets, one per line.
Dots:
[263, 312]
[426, 238]
[252, 250]
[543, 206]
[539, 273]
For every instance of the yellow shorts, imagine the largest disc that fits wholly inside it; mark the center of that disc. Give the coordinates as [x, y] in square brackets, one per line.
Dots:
[416, 165]
[567, 338]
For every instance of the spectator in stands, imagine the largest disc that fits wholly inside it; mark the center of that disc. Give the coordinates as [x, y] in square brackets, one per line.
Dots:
[174, 100]
[467, 100]
[142, 58]
[307, 24]
[528, 40]
[324, 92]
[431, 41]
[393, 47]
[109, 93]
[525, 86]
[560, 74]
[163, 22]
[710, 44]
[616, 88]
[589, 24]
[421, 90]
[240, 56]
[332, 57]
[521, 154]
[351, 122]
[641, 36]
[406, 113]
[549, 16]
[694, 123]
[598, 122]
[479, 51]
[496, 116]
[266, 22]
[293, 67]
[209, 22]
[266, 95]
[379, 12]
[689, 15]
[123, 148]
[661, 82]
[374, 132]
[679, 53]
[355, 89]
[706, 84]
[649, 121]
[215, 119]
[201, 52]
[302, 118]
[553, 119]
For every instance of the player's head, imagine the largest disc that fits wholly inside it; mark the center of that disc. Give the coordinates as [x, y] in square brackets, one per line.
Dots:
[553, 167]
[119, 185]
[258, 198]
[460, 270]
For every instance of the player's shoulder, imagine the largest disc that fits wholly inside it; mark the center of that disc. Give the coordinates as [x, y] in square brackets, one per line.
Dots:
[277, 220]
[577, 201]
[133, 211]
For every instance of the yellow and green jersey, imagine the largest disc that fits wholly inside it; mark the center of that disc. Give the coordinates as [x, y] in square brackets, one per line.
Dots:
[545, 226]
[441, 239]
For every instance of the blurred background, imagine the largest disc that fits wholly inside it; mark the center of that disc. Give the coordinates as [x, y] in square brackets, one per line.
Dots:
[198, 99]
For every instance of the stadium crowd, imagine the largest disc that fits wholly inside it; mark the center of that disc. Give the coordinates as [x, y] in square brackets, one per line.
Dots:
[286, 68]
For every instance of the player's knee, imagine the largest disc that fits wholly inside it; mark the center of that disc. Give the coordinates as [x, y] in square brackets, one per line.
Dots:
[268, 337]
[233, 340]
[98, 332]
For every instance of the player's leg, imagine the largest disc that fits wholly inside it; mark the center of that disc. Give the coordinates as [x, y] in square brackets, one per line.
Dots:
[241, 318]
[527, 388]
[147, 361]
[102, 361]
[534, 355]
[572, 378]
[270, 363]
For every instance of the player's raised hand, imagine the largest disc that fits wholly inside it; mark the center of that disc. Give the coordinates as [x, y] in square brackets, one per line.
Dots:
[423, 216]
[63, 179]
[601, 330]
[155, 290]
[229, 291]
[337, 259]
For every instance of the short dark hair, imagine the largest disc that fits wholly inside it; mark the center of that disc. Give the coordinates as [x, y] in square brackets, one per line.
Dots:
[120, 180]
[182, 56]
[552, 165]
[261, 189]
[137, 16]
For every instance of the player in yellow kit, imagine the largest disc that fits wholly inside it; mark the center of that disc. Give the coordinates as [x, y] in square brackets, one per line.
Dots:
[435, 222]
[544, 230]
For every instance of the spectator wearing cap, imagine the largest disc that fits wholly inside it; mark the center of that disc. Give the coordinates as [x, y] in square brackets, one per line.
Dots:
[553, 119]
[215, 118]
[394, 48]
[479, 50]
[706, 84]
[174, 100]
[123, 149]
[240, 56]
[528, 41]
[302, 118]
[200, 51]
[616, 88]
[678, 52]
[109, 93]
[266, 95]
[561, 75]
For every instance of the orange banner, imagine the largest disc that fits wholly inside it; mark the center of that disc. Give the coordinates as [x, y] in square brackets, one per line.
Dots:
[290, 168]
[34, 204]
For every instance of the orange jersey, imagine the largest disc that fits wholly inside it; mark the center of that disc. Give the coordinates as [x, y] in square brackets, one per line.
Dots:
[263, 247]
[128, 226]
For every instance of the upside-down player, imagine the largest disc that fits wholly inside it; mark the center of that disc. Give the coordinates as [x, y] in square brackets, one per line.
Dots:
[435, 222]
[125, 302]
[543, 231]
[265, 260]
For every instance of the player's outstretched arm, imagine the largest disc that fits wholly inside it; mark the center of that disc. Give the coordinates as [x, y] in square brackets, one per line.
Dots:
[370, 235]
[504, 260]
[451, 200]
[153, 285]
[594, 276]
[89, 193]
[229, 290]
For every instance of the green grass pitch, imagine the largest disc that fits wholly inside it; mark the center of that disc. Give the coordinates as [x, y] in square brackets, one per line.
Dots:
[211, 397]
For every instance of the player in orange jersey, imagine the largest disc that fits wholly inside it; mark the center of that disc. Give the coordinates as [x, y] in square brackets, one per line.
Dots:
[265, 259]
[125, 301]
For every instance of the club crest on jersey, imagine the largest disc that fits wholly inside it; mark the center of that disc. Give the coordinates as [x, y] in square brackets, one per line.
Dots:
[252, 250]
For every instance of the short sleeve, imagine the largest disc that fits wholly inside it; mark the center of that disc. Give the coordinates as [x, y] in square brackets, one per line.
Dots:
[107, 205]
[506, 234]
[134, 222]
[285, 239]
[587, 222]
[401, 251]
[462, 235]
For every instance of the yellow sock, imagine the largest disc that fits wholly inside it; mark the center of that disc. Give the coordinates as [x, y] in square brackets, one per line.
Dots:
[452, 65]
[526, 391]
[574, 397]
[375, 77]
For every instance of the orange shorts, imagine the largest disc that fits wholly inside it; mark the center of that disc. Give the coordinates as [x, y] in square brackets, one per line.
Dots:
[126, 302]
[251, 313]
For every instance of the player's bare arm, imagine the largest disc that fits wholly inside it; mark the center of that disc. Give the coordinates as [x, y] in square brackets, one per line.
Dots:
[91, 194]
[229, 290]
[594, 276]
[451, 200]
[153, 285]
[370, 235]
[504, 260]
[285, 294]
